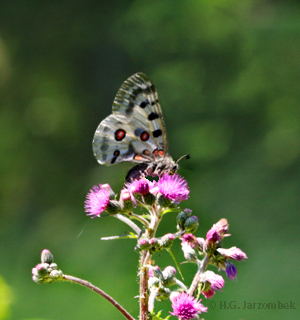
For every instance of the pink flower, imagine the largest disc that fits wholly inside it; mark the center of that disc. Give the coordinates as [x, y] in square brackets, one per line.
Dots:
[173, 187]
[190, 239]
[97, 200]
[222, 226]
[233, 253]
[141, 186]
[214, 281]
[213, 235]
[186, 307]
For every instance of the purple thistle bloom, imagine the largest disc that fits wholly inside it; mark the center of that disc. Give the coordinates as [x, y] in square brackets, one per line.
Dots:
[97, 200]
[141, 186]
[233, 253]
[230, 270]
[173, 187]
[186, 307]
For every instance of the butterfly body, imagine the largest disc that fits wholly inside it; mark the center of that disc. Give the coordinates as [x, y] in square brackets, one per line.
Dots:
[135, 131]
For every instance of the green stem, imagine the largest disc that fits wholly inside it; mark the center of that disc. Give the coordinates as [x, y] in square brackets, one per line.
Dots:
[100, 292]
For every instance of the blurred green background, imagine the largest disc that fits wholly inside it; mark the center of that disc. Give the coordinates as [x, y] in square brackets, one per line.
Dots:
[227, 74]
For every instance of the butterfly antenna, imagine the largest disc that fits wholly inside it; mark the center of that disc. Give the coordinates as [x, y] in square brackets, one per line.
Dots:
[186, 156]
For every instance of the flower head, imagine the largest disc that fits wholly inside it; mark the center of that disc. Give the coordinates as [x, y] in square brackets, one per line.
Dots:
[141, 186]
[213, 235]
[186, 307]
[173, 187]
[213, 282]
[233, 253]
[222, 227]
[230, 270]
[97, 200]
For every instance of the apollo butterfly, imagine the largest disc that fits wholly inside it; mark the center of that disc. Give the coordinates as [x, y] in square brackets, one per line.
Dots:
[135, 131]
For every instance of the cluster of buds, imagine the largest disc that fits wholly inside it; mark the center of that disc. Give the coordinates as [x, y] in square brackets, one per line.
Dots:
[155, 244]
[46, 271]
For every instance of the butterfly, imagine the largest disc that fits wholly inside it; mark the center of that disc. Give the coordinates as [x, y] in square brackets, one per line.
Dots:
[135, 131]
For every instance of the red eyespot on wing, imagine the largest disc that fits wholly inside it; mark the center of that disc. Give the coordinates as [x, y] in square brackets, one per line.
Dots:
[120, 134]
[155, 152]
[144, 136]
[138, 157]
[116, 153]
[159, 152]
[146, 152]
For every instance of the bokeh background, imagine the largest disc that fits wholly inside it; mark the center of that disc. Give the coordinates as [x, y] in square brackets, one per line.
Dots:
[227, 74]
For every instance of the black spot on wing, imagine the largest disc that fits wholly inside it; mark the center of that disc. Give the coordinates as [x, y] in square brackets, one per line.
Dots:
[157, 133]
[152, 116]
[144, 104]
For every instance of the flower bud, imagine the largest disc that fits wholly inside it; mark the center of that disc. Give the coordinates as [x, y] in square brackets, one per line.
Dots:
[166, 241]
[222, 226]
[230, 270]
[188, 252]
[155, 272]
[143, 244]
[191, 224]
[163, 294]
[53, 266]
[46, 256]
[233, 253]
[169, 276]
[125, 200]
[149, 199]
[113, 207]
[181, 217]
[56, 274]
[42, 269]
[163, 202]
[153, 282]
[154, 245]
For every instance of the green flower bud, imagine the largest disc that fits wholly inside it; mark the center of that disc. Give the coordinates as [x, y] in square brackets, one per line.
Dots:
[113, 207]
[163, 202]
[149, 199]
[166, 241]
[191, 224]
[125, 200]
[163, 294]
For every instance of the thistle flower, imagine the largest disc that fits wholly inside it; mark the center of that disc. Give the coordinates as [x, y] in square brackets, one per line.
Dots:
[213, 235]
[222, 227]
[173, 187]
[141, 186]
[230, 270]
[212, 282]
[97, 201]
[233, 253]
[185, 307]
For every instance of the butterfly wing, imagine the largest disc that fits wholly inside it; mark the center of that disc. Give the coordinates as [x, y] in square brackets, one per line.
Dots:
[135, 130]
